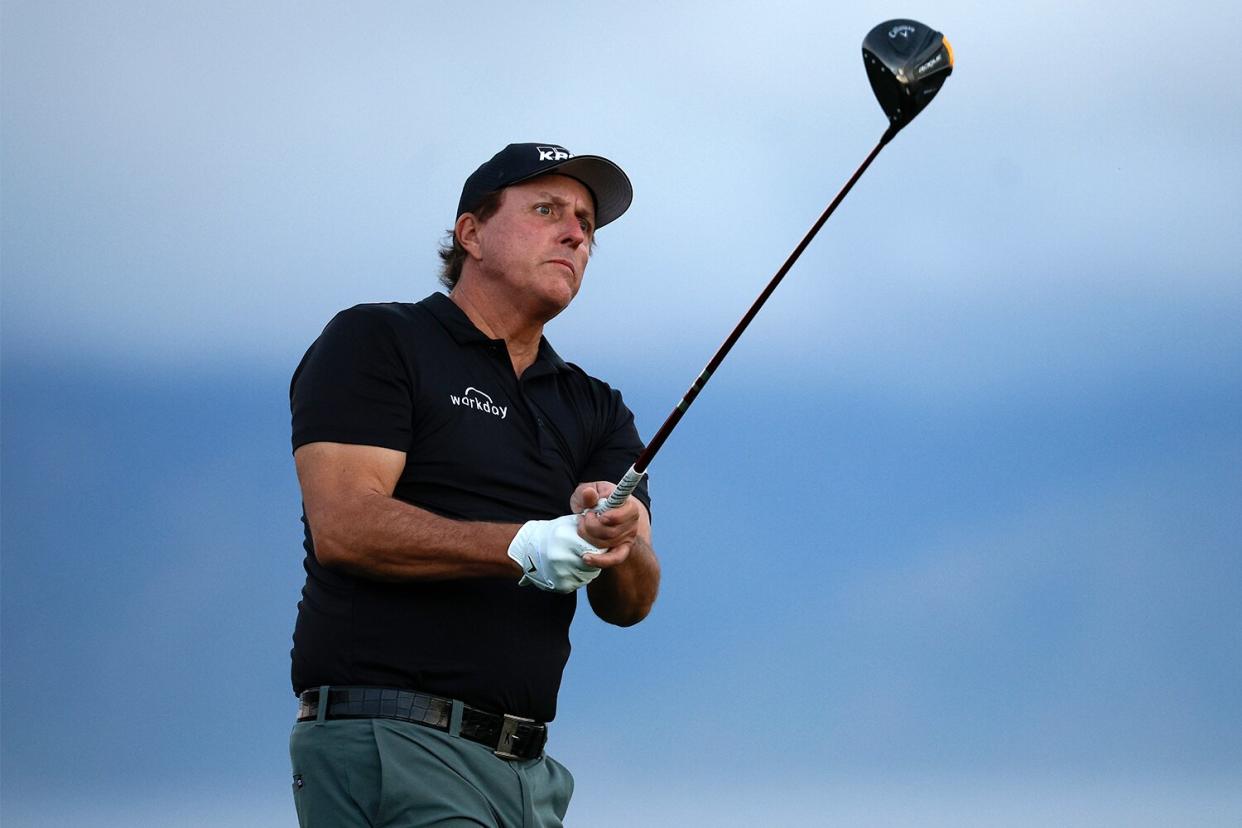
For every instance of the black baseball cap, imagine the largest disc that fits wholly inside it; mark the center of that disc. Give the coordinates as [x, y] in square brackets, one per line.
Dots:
[516, 163]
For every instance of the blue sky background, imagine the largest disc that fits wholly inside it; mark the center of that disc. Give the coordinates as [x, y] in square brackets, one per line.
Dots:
[951, 539]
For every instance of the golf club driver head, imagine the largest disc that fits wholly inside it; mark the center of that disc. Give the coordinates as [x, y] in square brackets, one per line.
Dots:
[907, 64]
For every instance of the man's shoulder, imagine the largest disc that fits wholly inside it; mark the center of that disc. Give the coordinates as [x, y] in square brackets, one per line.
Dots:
[599, 389]
[390, 312]
[582, 374]
[399, 318]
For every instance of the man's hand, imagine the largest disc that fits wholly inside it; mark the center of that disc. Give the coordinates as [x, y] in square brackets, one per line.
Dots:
[550, 553]
[613, 531]
[628, 588]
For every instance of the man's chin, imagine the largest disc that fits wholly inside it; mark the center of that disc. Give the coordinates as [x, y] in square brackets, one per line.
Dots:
[555, 301]
[551, 310]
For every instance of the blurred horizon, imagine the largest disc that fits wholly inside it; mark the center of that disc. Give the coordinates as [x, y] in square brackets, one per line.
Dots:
[939, 554]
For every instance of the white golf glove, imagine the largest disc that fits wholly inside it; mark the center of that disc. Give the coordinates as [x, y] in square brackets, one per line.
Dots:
[550, 554]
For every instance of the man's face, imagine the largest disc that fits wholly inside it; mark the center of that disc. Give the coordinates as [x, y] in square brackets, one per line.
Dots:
[538, 242]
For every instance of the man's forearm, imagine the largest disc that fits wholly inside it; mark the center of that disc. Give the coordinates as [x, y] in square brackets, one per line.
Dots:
[624, 594]
[377, 536]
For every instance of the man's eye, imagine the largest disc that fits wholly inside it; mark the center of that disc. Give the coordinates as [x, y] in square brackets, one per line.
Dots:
[585, 225]
[543, 209]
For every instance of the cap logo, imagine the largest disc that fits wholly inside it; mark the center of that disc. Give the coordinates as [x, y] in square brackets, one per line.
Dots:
[553, 154]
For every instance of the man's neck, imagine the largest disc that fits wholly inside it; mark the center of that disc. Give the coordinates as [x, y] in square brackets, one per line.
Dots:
[521, 335]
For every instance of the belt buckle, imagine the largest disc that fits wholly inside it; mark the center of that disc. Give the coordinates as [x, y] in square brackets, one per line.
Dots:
[508, 732]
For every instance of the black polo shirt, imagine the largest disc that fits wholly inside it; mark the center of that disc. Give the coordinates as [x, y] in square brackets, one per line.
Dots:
[480, 445]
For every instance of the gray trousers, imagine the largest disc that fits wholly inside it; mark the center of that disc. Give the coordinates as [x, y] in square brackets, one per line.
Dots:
[350, 773]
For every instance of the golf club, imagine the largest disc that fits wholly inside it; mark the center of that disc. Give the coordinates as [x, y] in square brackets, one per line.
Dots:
[907, 63]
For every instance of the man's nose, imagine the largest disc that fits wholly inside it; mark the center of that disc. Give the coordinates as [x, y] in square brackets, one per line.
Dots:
[573, 232]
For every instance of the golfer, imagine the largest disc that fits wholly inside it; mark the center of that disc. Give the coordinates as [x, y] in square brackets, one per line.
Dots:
[449, 460]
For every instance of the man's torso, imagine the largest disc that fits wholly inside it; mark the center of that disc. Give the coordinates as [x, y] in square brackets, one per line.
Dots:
[480, 444]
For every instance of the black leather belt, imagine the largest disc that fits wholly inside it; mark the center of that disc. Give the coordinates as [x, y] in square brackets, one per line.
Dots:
[509, 737]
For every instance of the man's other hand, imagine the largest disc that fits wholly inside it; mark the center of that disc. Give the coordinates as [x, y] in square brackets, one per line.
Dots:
[614, 531]
[550, 553]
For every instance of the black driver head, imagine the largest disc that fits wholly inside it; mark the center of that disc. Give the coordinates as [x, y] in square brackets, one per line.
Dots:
[907, 63]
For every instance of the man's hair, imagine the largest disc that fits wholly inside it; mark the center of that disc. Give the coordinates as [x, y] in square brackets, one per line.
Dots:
[452, 254]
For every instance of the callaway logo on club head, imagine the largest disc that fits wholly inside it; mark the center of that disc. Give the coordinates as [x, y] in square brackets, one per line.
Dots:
[554, 154]
[900, 31]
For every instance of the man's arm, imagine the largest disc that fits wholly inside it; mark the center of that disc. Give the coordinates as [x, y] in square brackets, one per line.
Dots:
[625, 591]
[357, 525]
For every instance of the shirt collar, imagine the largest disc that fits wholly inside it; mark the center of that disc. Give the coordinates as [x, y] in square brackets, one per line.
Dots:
[464, 332]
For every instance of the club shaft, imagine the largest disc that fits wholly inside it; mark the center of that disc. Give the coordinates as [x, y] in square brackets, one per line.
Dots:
[636, 472]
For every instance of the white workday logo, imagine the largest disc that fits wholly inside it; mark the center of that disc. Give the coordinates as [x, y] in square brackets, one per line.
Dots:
[476, 399]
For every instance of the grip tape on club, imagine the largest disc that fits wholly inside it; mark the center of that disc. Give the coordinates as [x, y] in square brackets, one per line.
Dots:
[623, 491]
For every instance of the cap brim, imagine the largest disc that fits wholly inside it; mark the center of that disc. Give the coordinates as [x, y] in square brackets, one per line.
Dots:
[606, 181]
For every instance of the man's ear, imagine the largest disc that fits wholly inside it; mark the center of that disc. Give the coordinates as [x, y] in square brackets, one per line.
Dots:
[467, 232]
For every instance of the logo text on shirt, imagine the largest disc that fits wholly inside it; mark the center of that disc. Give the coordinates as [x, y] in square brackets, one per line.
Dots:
[477, 400]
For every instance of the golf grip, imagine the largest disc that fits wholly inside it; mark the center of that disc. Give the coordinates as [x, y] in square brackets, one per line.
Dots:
[624, 488]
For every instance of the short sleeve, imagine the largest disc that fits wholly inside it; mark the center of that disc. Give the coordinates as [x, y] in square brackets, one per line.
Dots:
[353, 385]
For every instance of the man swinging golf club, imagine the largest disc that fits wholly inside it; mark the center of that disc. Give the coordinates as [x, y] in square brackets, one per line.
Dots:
[425, 673]
[450, 462]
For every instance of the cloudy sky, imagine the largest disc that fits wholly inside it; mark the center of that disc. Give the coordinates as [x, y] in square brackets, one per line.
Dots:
[953, 538]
